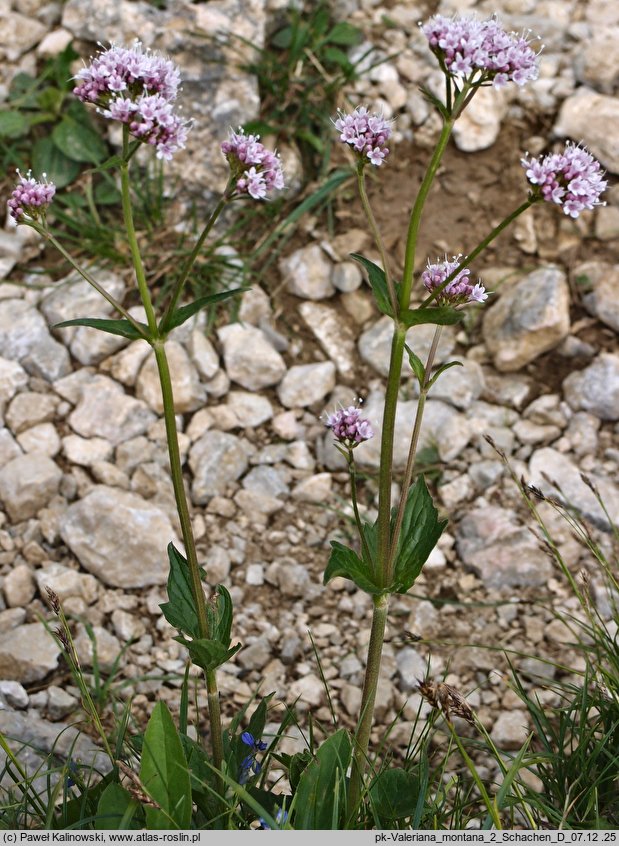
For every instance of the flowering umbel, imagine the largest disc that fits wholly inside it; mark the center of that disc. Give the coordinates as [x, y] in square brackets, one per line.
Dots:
[30, 198]
[573, 179]
[348, 427]
[465, 45]
[137, 88]
[366, 133]
[257, 171]
[460, 290]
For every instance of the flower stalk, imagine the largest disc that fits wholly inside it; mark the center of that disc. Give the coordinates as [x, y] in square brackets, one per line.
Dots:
[176, 468]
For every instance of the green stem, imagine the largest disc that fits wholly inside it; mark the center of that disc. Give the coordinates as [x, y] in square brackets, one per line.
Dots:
[386, 452]
[132, 238]
[180, 282]
[422, 194]
[176, 467]
[377, 237]
[415, 219]
[412, 452]
[352, 470]
[381, 604]
[368, 698]
[189, 542]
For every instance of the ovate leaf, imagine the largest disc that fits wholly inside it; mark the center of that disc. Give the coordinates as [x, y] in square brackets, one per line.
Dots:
[182, 314]
[378, 283]
[394, 795]
[13, 124]
[79, 142]
[345, 562]
[116, 808]
[113, 327]
[180, 611]
[420, 532]
[440, 316]
[164, 773]
[48, 159]
[344, 34]
[208, 654]
[320, 799]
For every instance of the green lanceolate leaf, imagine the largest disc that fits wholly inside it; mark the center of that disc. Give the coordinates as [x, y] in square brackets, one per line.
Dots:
[435, 101]
[439, 316]
[416, 365]
[178, 317]
[442, 369]
[420, 532]
[345, 562]
[180, 611]
[208, 654]
[378, 283]
[320, 799]
[164, 773]
[394, 795]
[114, 327]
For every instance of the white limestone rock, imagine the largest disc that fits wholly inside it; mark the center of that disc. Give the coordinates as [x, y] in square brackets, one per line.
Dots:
[250, 359]
[305, 384]
[119, 537]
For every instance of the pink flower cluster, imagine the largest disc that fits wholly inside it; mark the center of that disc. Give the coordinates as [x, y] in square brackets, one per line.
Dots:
[459, 290]
[30, 197]
[366, 133]
[466, 44]
[257, 170]
[137, 88]
[348, 427]
[572, 179]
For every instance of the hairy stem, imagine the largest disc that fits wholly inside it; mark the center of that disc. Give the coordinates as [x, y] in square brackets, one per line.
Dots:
[136, 257]
[412, 452]
[189, 542]
[370, 685]
[176, 468]
[381, 604]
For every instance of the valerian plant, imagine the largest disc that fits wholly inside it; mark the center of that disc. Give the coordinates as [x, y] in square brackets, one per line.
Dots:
[178, 782]
[471, 53]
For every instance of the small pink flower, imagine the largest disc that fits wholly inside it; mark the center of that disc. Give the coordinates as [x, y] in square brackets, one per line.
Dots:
[465, 44]
[137, 88]
[348, 426]
[30, 198]
[366, 133]
[457, 292]
[257, 170]
[572, 179]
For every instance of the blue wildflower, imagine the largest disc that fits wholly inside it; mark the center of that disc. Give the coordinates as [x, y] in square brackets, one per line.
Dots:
[249, 764]
[281, 818]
